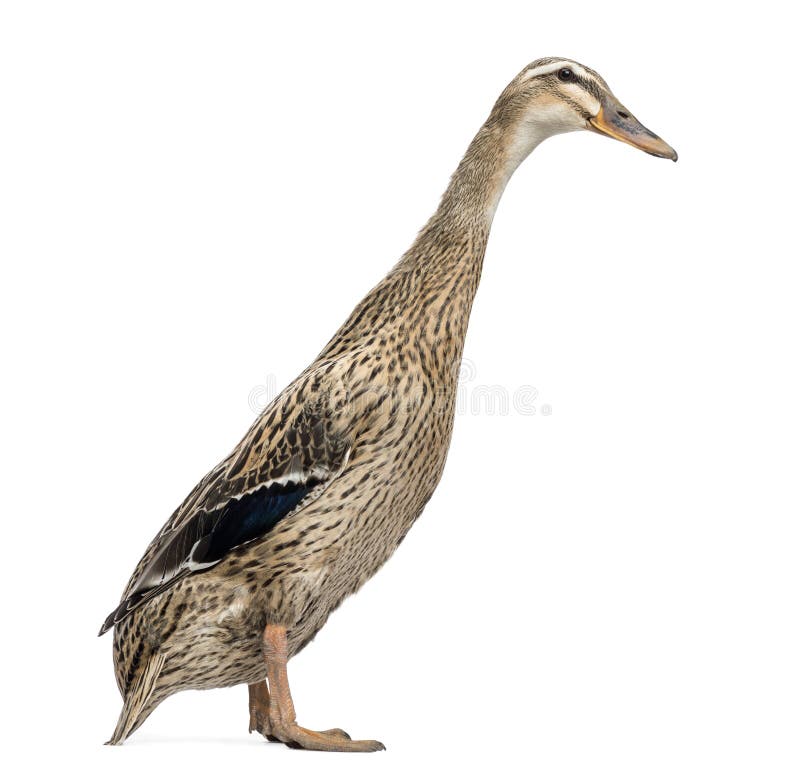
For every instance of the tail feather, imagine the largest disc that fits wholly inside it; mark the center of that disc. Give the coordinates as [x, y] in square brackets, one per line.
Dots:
[138, 700]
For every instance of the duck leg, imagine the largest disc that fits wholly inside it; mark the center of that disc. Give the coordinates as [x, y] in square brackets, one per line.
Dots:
[259, 710]
[282, 717]
[259, 713]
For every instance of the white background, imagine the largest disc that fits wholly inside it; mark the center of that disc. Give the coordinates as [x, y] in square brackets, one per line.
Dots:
[195, 195]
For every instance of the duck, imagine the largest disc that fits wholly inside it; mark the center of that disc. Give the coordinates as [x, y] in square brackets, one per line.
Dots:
[329, 479]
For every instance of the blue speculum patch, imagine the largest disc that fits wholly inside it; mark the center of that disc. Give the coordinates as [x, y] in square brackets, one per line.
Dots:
[254, 515]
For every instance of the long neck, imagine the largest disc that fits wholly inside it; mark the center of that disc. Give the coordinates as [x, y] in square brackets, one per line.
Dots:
[447, 256]
[475, 189]
[432, 287]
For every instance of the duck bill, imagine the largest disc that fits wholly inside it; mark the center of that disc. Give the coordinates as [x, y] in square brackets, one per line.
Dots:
[615, 121]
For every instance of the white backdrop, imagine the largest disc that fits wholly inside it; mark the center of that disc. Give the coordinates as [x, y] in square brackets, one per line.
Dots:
[194, 196]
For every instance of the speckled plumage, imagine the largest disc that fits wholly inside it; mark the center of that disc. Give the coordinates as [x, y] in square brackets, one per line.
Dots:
[360, 438]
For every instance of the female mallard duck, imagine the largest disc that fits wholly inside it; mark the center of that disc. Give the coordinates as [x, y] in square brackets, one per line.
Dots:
[326, 483]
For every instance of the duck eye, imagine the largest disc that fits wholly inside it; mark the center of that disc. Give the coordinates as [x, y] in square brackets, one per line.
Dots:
[565, 75]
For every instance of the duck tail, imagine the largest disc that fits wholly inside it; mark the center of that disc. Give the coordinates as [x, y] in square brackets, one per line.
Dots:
[139, 703]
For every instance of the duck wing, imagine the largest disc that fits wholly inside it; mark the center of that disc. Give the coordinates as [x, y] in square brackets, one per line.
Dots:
[279, 467]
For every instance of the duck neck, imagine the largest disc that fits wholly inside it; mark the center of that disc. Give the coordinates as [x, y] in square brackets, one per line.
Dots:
[430, 291]
[447, 256]
[475, 189]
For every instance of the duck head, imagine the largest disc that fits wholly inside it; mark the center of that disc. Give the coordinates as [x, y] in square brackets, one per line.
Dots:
[554, 95]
